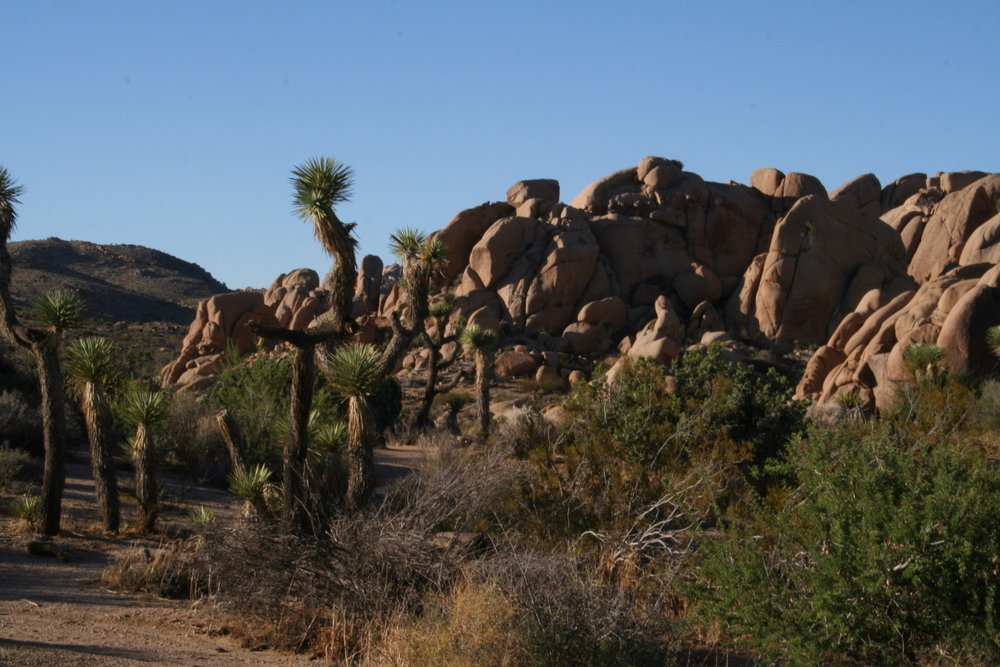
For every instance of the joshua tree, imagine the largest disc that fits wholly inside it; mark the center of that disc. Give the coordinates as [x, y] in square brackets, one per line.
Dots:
[90, 363]
[433, 343]
[482, 343]
[43, 345]
[354, 372]
[422, 261]
[145, 409]
[923, 360]
[319, 184]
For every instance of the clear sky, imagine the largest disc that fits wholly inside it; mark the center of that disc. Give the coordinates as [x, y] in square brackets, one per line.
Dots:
[176, 124]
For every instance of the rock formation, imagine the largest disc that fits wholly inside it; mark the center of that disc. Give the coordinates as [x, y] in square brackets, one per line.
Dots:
[651, 259]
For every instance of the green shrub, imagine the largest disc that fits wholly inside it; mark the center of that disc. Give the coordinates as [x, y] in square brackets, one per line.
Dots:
[645, 436]
[257, 392]
[15, 466]
[884, 549]
[20, 423]
[192, 437]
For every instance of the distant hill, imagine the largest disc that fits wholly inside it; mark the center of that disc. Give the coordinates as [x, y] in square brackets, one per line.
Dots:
[119, 283]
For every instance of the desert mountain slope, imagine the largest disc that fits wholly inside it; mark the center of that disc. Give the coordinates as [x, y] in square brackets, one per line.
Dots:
[127, 283]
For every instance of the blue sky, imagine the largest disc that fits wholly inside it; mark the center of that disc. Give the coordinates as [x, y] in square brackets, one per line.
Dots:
[175, 125]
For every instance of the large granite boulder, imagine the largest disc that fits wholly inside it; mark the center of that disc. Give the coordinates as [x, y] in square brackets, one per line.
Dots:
[796, 293]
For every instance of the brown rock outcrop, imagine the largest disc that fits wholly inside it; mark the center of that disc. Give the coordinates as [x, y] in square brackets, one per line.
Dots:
[953, 311]
[797, 292]
[218, 320]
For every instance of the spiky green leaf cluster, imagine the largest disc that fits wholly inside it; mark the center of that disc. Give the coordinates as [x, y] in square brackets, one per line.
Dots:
[406, 243]
[920, 357]
[329, 437]
[443, 306]
[355, 370]
[319, 185]
[200, 519]
[26, 508]
[60, 309]
[93, 359]
[144, 407]
[476, 338]
[252, 484]
[10, 192]
[993, 339]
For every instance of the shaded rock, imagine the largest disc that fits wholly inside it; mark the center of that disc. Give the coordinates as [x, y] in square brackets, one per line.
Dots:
[465, 230]
[511, 363]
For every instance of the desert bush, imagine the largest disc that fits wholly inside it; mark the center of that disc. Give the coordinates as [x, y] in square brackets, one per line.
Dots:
[338, 593]
[15, 466]
[524, 430]
[472, 624]
[20, 423]
[531, 608]
[175, 570]
[568, 617]
[257, 392]
[192, 438]
[883, 549]
[643, 437]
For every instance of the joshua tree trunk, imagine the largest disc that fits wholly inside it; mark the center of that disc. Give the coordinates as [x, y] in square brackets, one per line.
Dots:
[46, 352]
[97, 415]
[483, 377]
[145, 484]
[361, 456]
[297, 445]
[430, 389]
[231, 435]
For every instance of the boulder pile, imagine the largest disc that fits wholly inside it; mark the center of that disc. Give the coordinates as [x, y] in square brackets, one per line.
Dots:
[651, 259]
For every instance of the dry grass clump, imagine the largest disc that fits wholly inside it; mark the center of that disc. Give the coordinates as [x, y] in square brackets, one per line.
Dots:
[338, 594]
[175, 570]
[531, 608]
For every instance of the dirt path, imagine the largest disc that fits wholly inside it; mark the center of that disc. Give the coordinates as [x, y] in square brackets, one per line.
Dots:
[58, 613]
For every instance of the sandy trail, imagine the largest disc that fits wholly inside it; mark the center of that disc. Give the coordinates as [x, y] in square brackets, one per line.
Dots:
[58, 613]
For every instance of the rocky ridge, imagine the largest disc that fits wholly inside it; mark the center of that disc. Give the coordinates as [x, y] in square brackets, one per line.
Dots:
[652, 259]
[118, 283]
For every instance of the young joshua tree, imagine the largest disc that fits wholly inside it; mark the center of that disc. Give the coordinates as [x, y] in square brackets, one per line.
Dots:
[318, 186]
[439, 312]
[482, 343]
[355, 373]
[92, 367]
[145, 409]
[422, 261]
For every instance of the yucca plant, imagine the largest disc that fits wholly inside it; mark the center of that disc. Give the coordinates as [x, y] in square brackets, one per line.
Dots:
[200, 518]
[60, 310]
[144, 409]
[328, 437]
[26, 508]
[482, 344]
[355, 374]
[319, 185]
[92, 367]
[993, 339]
[254, 486]
[923, 360]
